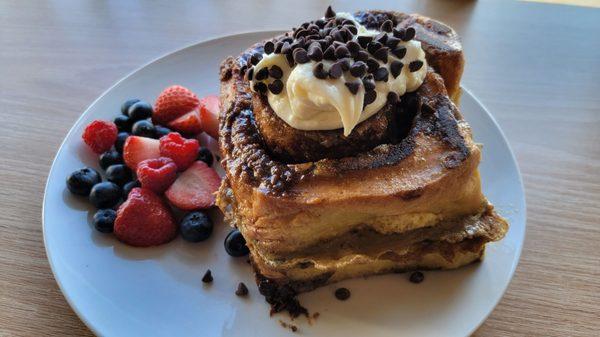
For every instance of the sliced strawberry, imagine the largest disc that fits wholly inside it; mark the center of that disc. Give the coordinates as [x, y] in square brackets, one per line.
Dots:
[188, 124]
[183, 151]
[144, 220]
[174, 102]
[209, 115]
[138, 149]
[195, 188]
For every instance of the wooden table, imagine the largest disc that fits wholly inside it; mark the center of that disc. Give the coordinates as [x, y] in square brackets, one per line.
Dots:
[535, 66]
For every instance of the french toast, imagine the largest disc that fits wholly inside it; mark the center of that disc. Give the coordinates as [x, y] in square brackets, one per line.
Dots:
[400, 192]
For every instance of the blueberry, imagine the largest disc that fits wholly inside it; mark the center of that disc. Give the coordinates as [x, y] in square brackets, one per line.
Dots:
[143, 128]
[121, 137]
[196, 227]
[235, 244]
[123, 123]
[105, 195]
[140, 110]
[129, 186]
[206, 156]
[128, 103]
[161, 131]
[104, 220]
[118, 174]
[110, 157]
[81, 181]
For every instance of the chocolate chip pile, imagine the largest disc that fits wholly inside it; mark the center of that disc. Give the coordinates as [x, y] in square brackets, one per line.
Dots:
[335, 39]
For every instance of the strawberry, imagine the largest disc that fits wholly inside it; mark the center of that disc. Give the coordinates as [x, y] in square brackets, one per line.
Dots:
[138, 149]
[144, 220]
[195, 188]
[209, 115]
[183, 151]
[188, 124]
[157, 174]
[100, 135]
[172, 103]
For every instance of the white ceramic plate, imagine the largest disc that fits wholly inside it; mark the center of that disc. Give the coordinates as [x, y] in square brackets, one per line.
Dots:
[123, 291]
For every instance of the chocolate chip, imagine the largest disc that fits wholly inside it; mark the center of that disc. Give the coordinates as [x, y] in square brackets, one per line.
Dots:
[399, 33]
[387, 26]
[416, 277]
[255, 58]
[353, 47]
[338, 36]
[392, 97]
[329, 13]
[348, 22]
[314, 52]
[276, 87]
[415, 65]
[381, 38]
[260, 87]
[362, 56]
[278, 46]
[399, 52]
[286, 49]
[241, 290]
[262, 74]
[346, 33]
[207, 278]
[358, 69]
[409, 34]
[369, 97]
[372, 64]
[345, 64]
[352, 29]
[373, 46]
[381, 74]
[301, 33]
[363, 41]
[353, 87]
[342, 294]
[396, 68]
[341, 52]
[290, 59]
[392, 42]
[301, 56]
[269, 47]
[329, 53]
[250, 74]
[276, 72]
[319, 71]
[369, 82]
[335, 71]
[382, 54]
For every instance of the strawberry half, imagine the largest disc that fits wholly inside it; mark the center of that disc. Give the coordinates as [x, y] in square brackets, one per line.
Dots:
[195, 188]
[209, 115]
[138, 149]
[188, 124]
[144, 220]
[172, 103]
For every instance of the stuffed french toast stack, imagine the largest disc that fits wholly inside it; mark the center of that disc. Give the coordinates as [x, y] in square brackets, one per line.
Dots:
[345, 153]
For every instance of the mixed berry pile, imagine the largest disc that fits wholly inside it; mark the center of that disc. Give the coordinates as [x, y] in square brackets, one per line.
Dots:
[154, 169]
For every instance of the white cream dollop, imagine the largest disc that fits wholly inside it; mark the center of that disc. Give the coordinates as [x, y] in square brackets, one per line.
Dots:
[309, 103]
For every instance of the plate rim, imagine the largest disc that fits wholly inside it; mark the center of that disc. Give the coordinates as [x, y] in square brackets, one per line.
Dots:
[90, 325]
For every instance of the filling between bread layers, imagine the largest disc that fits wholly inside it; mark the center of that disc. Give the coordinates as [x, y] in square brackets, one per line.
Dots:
[344, 84]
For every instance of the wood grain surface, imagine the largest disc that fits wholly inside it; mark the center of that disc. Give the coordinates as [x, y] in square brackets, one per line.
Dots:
[535, 66]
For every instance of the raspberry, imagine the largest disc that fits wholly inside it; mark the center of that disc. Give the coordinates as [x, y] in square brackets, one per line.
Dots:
[100, 135]
[157, 174]
[183, 151]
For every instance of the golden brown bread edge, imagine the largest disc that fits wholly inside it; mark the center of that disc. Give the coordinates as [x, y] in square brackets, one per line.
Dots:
[443, 52]
[433, 170]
